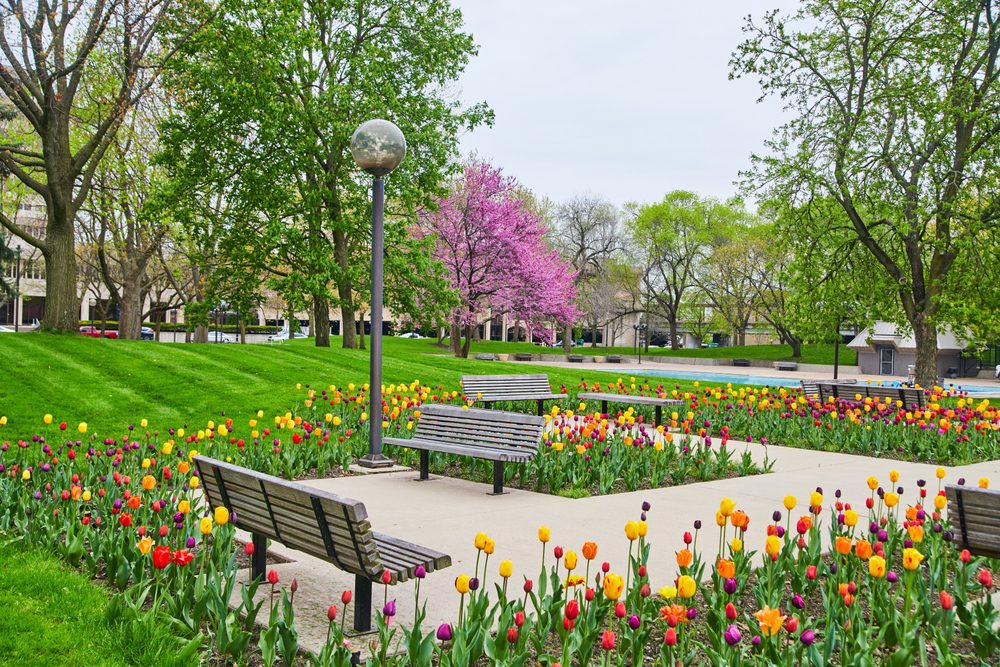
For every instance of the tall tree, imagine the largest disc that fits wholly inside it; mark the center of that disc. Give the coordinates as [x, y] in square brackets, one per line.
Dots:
[587, 234]
[494, 251]
[269, 100]
[72, 70]
[893, 108]
[674, 236]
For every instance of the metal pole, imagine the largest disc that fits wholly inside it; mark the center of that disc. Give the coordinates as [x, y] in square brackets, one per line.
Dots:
[836, 354]
[17, 291]
[375, 458]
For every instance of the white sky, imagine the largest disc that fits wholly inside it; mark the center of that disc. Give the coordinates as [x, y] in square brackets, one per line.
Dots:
[626, 99]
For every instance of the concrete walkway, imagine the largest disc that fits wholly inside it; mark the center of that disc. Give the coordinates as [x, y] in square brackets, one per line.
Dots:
[445, 514]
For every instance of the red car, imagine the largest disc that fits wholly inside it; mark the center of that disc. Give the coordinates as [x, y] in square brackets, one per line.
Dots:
[95, 332]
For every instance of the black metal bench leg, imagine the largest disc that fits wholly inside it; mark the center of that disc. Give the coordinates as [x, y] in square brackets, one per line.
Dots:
[362, 604]
[497, 478]
[425, 457]
[604, 407]
[258, 562]
[659, 414]
[541, 407]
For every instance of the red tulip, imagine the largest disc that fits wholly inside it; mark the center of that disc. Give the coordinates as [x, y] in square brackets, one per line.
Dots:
[985, 578]
[572, 610]
[512, 635]
[608, 640]
[670, 637]
[272, 577]
[528, 585]
[730, 611]
[161, 557]
[519, 619]
[331, 612]
[345, 597]
[947, 602]
[249, 548]
[811, 572]
[182, 557]
[386, 577]
[965, 556]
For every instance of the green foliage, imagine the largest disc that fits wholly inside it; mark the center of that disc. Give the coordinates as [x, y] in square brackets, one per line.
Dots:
[270, 97]
[893, 134]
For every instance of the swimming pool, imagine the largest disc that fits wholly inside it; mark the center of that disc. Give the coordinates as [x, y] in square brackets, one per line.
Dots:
[774, 381]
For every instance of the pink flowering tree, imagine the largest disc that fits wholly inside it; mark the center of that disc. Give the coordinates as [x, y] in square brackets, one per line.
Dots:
[494, 251]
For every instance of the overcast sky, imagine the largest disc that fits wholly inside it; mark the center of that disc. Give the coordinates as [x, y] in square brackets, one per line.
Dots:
[626, 99]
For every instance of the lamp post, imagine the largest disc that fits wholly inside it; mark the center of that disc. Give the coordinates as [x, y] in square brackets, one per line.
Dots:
[640, 332]
[17, 291]
[378, 147]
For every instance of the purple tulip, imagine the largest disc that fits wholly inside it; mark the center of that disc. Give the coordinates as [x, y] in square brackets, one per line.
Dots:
[780, 530]
[883, 536]
[190, 543]
[798, 602]
[756, 640]
[776, 517]
[646, 506]
[420, 572]
[697, 524]
[474, 584]
[444, 632]
[732, 635]
[729, 585]
[389, 610]
[892, 577]
[807, 637]
[634, 622]
[692, 613]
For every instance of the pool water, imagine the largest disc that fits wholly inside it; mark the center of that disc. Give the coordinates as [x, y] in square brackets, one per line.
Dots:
[773, 381]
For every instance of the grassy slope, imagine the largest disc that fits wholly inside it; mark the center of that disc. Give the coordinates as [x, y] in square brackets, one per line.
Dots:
[811, 354]
[108, 383]
[59, 617]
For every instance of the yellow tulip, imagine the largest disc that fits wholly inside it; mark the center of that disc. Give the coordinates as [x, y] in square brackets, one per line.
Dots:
[912, 559]
[47, 419]
[462, 584]
[727, 506]
[613, 586]
[984, 482]
[686, 586]
[631, 531]
[205, 525]
[816, 499]
[82, 427]
[544, 534]
[506, 569]
[194, 483]
[891, 499]
[939, 473]
[668, 592]
[872, 483]
[569, 560]
[26, 475]
[850, 518]
[790, 502]
[221, 515]
[893, 476]
[145, 544]
[489, 546]
[736, 545]
[772, 545]
[184, 506]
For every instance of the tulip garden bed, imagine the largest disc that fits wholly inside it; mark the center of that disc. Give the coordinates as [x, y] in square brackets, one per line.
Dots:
[128, 509]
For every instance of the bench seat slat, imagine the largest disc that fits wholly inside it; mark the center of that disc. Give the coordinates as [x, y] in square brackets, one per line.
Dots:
[490, 453]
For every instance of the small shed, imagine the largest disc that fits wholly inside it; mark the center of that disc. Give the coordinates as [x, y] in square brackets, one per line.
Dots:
[883, 350]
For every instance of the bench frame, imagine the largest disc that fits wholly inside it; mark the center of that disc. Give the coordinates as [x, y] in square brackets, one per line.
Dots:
[827, 389]
[531, 425]
[366, 550]
[985, 504]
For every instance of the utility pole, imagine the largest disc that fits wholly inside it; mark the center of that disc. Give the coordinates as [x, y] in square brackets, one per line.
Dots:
[17, 291]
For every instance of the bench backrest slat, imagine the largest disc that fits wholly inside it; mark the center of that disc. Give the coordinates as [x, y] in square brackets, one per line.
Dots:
[446, 423]
[974, 515]
[311, 520]
[498, 387]
[910, 396]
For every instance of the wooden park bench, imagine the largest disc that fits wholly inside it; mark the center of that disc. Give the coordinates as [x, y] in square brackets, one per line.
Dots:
[811, 388]
[974, 515]
[741, 362]
[606, 398]
[575, 358]
[486, 356]
[330, 527]
[488, 389]
[908, 395]
[523, 356]
[614, 358]
[480, 434]
[786, 366]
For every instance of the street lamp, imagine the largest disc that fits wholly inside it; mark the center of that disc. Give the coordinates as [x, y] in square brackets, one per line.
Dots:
[17, 291]
[378, 147]
[640, 333]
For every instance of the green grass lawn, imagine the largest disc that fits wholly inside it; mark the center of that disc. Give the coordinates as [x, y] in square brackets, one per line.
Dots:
[109, 383]
[56, 616]
[811, 354]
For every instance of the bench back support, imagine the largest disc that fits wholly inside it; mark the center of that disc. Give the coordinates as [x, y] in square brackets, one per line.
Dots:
[908, 395]
[453, 425]
[499, 387]
[974, 515]
[311, 520]
[811, 387]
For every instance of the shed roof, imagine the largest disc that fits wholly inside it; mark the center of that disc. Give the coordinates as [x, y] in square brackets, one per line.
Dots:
[887, 333]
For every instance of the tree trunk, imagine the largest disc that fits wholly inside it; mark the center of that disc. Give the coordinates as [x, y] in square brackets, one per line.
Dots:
[345, 289]
[62, 304]
[130, 321]
[568, 338]
[672, 320]
[456, 339]
[468, 342]
[321, 319]
[593, 335]
[796, 344]
[925, 335]
[200, 334]
[243, 331]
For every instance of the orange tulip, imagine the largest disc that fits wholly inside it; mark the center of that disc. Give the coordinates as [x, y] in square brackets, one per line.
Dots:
[726, 568]
[589, 550]
[684, 558]
[843, 545]
[770, 621]
[863, 549]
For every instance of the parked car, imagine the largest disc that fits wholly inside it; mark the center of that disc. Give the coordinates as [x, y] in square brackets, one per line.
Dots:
[410, 334]
[283, 335]
[147, 334]
[95, 332]
[220, 337]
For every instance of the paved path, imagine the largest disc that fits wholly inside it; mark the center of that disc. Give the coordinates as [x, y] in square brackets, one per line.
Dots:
[446, 513]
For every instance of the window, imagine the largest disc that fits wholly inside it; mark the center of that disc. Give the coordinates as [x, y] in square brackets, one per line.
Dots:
[33, 269]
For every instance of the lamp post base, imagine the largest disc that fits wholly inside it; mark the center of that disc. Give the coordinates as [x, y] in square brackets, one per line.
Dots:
[375, 461]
